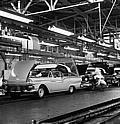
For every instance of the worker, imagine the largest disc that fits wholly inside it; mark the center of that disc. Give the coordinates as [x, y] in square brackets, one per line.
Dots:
[99, 77]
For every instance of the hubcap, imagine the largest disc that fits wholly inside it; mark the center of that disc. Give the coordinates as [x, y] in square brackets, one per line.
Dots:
[41, 92]
[71, 89]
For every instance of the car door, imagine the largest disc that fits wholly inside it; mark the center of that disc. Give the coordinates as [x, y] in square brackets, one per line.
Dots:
[74, 80]
[66, 81]
[56, 82]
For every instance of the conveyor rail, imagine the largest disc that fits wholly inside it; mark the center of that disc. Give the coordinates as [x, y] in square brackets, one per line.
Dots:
[83, 115]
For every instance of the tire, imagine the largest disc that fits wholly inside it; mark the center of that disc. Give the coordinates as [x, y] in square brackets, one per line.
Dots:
[118, 84]
[41, 92]
[71, 89]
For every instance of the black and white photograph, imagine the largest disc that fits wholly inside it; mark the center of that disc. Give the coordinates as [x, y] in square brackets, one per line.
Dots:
[59, 61]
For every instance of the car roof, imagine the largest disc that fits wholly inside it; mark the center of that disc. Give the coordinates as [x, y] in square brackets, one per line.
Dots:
[48, 66]
[93, 68]
[42, 66]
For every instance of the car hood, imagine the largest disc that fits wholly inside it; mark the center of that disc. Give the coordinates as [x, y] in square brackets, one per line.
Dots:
[21, 70]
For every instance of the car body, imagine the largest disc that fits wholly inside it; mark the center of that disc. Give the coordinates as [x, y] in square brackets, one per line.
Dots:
[87, 79]
[116, 77]
[27, 76]
[91, 70]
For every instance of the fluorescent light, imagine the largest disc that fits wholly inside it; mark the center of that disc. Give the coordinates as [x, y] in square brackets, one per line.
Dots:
[85, 39]
[63, 41]
[47, 44]
[14, 17]
[50, 58]
[12, 54]
[101, 54]
[88, 52]
[31, 56]
[111, 56]
[70, 48]
[94, 1]
[78, 61]
[61, 31]
[14, 38]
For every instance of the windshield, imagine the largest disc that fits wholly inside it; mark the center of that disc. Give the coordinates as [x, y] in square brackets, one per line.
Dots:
[90, 71]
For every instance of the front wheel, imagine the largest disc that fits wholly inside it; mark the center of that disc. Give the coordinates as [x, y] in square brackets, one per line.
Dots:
[41, 92]
[71, 89]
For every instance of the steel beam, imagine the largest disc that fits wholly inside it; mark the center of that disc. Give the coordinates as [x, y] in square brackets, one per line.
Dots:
[108, 15]
[27, 6]
[100, 20]
[61, 8]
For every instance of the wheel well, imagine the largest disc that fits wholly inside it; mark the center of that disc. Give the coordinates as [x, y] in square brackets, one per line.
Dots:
[73, 87]
[45, 87]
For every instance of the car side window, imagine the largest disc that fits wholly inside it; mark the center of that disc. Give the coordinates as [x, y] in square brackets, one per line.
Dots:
[56, 74]
[65, 74]
[44, 73]
[72, 74]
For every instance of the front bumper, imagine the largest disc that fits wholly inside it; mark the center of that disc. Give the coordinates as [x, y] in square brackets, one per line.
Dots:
[86, 85]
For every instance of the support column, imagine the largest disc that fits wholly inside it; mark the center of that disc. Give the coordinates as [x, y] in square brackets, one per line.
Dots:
[4, 59]
[19, 10]
[100, 22]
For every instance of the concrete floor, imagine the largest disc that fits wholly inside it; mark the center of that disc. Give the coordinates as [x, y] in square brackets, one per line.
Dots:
[23, 112]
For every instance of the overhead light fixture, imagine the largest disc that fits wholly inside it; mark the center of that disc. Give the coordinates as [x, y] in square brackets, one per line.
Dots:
[63, 41]
[71, 48]
[50, 58]
[37, 57]
[59, 30]
[12, 54]
[85, 39]
[101, 54]
[94, 1]
[15, 17]
[79, 61]
[88, 52]
[47, 44]
[14, 38]
[111, 56]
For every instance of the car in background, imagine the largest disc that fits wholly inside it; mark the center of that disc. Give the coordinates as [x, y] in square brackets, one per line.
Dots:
[116, 77]
[42, 79]
[88, 81]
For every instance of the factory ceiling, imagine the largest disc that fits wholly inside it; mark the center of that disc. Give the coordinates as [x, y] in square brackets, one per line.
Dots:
[78, 16]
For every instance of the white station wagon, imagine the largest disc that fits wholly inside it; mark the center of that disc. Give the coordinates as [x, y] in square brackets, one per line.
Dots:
[27, 76]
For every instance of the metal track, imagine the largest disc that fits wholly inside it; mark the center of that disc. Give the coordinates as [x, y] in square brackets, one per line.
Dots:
[83, 115]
